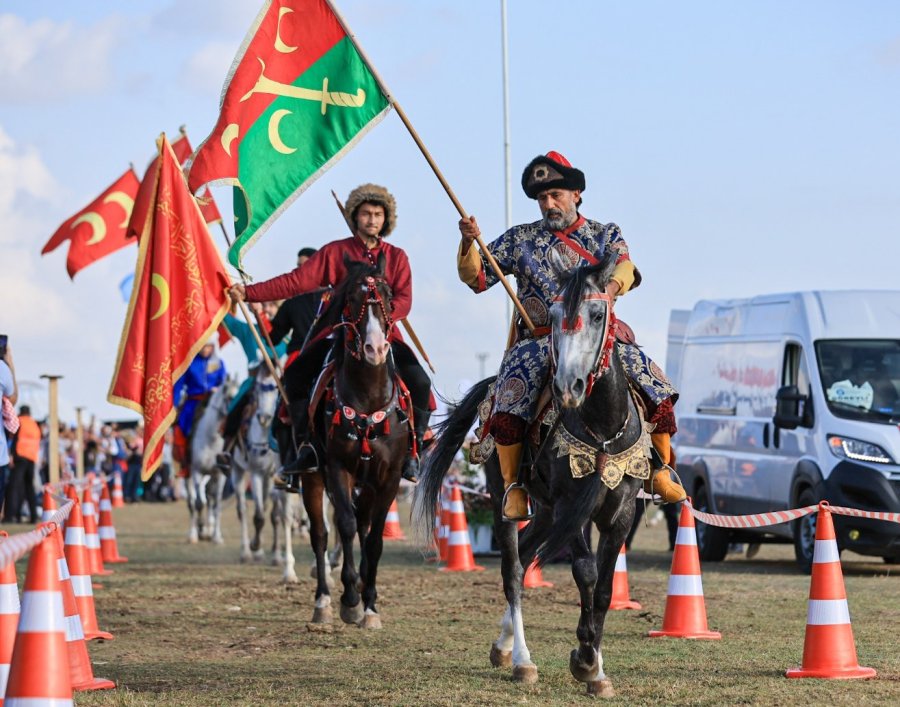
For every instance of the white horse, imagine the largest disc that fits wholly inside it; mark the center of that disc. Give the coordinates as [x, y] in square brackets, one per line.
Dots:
[254, 462]
[206, 482]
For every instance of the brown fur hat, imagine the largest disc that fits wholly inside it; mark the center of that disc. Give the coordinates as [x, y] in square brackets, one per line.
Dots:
[373, 194]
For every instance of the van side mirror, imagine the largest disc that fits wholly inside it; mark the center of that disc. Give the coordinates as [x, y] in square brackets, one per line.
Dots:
[789, 414]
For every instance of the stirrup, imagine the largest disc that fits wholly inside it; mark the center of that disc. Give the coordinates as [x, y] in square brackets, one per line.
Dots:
[528, 515]
[657, 498]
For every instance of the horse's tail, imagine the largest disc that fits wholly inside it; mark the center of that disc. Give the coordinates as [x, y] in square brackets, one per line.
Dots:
[572, 521]
[451, 433]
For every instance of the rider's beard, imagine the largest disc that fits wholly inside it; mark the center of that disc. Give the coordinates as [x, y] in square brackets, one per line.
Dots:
[557, 219]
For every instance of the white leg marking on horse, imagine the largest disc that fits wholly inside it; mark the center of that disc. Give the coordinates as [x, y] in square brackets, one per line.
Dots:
[521, 656]
[323, 601]
[505, 640]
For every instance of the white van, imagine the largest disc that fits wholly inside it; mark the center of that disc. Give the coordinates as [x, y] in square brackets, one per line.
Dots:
[787, 400]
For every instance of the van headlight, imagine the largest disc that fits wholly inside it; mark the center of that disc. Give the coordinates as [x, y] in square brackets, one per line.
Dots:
[858, 450]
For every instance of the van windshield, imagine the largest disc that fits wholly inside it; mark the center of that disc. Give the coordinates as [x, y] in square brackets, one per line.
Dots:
[861, 378]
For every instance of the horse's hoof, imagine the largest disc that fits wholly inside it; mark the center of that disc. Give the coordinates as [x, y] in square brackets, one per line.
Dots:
[323, 615]
[192, 540]
[601, 688]
[352, 614]
[290, 579]
[370, 620]
[245, 558]
[585, 672]
[259, 556]
[500, 659]
[218, 541]
[525, 674]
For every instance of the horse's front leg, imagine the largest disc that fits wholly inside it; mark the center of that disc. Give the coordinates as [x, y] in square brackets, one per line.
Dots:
[510, 647]
[216, 508]
[374, 546]
[259, 519]
[193, 511]
[239, 481]
[345, 518]
[585, 662]
[313, 494]
[288, 503]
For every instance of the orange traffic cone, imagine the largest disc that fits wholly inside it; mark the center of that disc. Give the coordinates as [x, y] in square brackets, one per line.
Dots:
[81, 674]
[49, 505]
[392, 529]
[39, 672]
[76, 558]
[621, 597]
[9, 617]
[444, 529]
[109, 546]
[829, 650]
[459, 549]
[91, 537]
[685, 615]
[533, 576]
[118, 498]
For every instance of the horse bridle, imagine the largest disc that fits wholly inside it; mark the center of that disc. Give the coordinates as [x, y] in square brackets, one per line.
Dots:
[352, 321]
[607, 341]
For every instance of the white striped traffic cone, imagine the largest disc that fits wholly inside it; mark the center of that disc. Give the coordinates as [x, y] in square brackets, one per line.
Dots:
[621, 597]
[9, 617]
[118, 498]
[685, 615]
[91, 536]
[829, 650]
[459, 550]
[76, 558]
[392, 529]
[109, 546]
[39, 670]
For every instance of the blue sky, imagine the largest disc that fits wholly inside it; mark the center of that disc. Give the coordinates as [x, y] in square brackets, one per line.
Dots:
[742, 148]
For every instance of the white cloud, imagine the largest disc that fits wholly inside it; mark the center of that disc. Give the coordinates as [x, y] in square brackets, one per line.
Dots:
[46, 61]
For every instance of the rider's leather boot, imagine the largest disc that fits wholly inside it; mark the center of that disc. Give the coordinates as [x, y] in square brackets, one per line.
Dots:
[411, 465]
[660, 481]
[287, 476]
[515, 507]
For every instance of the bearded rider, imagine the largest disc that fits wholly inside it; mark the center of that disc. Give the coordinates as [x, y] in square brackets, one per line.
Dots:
[524, 251]
[372, 211]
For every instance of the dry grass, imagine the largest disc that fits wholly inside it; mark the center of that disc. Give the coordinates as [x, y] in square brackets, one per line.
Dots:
[194, 627]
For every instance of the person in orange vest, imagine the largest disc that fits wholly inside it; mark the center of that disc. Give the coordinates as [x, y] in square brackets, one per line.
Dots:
[21, 482]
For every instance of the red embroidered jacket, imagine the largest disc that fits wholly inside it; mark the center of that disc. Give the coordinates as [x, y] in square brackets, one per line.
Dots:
[326, 268]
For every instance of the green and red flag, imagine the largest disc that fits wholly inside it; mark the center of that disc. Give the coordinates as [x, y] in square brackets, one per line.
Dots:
[177, 302]
[298, 96]
[183, 151]
[100, 227]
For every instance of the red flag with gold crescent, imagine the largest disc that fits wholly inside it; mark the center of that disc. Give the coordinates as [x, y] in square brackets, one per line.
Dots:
[99, 228]
[178, 300]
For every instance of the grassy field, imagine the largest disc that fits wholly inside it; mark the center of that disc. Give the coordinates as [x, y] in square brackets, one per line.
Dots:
[194, 627]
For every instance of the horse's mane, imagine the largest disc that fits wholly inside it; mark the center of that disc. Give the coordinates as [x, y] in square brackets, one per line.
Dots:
[575, 281]
[356, 270]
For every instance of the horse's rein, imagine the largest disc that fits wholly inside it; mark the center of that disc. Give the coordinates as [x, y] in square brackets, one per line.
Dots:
[607, 341]
[373, 297]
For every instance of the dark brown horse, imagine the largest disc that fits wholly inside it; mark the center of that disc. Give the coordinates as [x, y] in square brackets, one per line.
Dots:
[362, 436]
[599, 422]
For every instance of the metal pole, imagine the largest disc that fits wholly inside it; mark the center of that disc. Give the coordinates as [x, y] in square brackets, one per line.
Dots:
[79, 444]
[507, 164]
[495, 266]
[53, 414]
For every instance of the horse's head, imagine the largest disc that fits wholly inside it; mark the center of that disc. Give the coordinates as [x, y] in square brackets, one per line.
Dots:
[583, 331]
[367, 311]
[266, 393]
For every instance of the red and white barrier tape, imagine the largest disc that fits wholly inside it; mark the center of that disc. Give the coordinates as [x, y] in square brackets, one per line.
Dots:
[17, 546]
[760, 520]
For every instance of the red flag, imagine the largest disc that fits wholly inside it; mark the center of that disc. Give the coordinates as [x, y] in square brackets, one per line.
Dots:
[99, 228]
[177, 302]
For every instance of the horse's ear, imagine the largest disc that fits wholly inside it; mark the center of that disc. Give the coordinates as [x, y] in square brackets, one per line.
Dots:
[382, 263]
[560, 265]
[606, 268]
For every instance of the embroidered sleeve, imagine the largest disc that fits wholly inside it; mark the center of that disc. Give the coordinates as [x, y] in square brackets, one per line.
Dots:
[624, 274]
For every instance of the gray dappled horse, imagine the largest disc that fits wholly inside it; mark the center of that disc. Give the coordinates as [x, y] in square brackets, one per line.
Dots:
[365, 438]
[594, 406]
[254, 462]
[206, 482]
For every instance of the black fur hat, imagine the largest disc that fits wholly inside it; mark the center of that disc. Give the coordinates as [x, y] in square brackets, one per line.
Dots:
[551, 171]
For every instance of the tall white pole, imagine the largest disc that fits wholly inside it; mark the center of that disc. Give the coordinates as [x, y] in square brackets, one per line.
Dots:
[506, 144]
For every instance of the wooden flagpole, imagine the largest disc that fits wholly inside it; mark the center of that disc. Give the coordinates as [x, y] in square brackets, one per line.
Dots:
[424, 150]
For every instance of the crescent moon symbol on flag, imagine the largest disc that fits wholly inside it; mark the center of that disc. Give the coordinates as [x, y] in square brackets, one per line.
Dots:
[279, 44]
[229, 135]
[274, 136]
[123, 200]
[159, 282]
[97, 224]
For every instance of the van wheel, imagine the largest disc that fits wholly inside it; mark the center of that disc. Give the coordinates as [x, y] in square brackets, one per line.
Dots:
[805, 532]
[712, 542]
